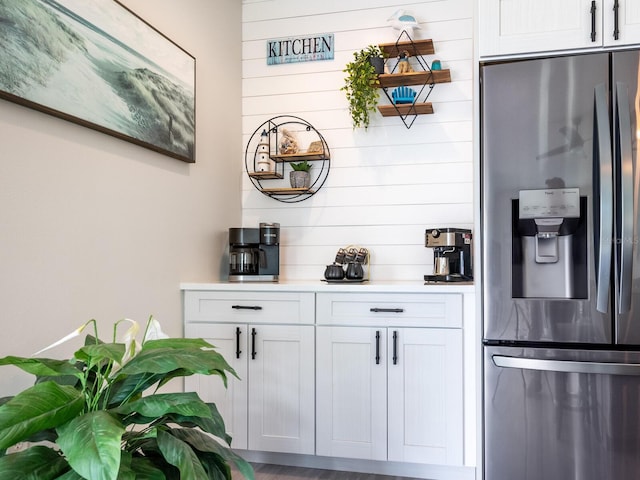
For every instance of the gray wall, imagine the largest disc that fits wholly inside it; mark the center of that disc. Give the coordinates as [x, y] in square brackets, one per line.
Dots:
[95, 227]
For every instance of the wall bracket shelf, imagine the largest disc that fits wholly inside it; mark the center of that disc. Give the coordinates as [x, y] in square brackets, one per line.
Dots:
[426, 78]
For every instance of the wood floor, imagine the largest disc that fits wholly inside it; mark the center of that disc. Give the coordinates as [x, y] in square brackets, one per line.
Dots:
[277, 472]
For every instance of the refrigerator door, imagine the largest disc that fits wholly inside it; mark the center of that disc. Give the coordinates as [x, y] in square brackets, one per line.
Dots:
[626, 108]
[539, 135]
[561, 414]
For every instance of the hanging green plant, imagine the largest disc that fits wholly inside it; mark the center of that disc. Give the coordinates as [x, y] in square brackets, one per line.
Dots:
[362, 85]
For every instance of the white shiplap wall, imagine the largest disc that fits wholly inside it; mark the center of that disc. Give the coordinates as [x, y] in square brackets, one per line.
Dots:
[386, 184]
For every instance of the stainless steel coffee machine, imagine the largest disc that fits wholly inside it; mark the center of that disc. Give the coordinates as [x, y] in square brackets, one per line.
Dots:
[254, 253]
[452, 254]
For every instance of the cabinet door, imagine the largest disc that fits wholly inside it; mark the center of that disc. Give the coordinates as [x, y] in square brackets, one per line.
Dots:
[351, 386]
[527, 26]
[281, 388]
[231, 342]
[425, 395]
[628, 23]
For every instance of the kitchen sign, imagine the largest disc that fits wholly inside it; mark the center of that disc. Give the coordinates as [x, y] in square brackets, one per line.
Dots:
[300, 49]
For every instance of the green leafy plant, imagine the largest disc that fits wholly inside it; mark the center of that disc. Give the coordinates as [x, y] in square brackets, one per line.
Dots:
[362, 85]
[87, 417]
[302, 166]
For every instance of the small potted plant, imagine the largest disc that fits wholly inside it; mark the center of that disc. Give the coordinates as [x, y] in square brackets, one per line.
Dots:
[300, 176]
[362, 85]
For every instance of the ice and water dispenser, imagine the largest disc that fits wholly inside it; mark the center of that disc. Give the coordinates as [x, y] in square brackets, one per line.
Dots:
[549, 255]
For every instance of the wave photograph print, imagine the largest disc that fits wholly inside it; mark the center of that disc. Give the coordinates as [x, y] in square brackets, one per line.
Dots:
[99, 65]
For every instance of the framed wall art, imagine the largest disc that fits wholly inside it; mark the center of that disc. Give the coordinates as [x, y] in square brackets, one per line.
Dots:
[99, 65]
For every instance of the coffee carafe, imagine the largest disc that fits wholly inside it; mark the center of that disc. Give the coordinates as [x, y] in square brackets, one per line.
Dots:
[452, 254]
[254, 253]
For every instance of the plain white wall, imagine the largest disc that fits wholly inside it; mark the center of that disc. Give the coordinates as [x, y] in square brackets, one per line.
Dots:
[95, 227]
[387, 184]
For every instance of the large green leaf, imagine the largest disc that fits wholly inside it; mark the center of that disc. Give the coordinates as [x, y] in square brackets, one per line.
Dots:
[166, 360]
[204, 443]
[216, 467]
[95, 354]
[145, 469]
[161, 404]
[70, 475]
[42, 366]
[91, 444]
[35, 463]
[180, 454]
[43, 406]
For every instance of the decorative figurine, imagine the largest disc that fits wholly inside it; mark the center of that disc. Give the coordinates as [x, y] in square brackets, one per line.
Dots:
[264, 163]
[403, 63]
[403, 21]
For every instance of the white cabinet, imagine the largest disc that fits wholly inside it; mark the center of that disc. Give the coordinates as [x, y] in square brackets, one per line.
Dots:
[530, 26]
[270, 407]
[388, 391]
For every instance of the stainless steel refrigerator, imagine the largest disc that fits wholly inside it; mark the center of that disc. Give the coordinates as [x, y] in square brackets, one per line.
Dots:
[561, 270]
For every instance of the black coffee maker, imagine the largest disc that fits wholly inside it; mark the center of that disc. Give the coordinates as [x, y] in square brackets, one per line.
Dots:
[452, 255]
[254, 253]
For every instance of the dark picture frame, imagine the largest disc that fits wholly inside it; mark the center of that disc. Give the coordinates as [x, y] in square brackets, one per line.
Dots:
[97, 64]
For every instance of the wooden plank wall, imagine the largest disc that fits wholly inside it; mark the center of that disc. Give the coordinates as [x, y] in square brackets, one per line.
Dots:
[386, 184]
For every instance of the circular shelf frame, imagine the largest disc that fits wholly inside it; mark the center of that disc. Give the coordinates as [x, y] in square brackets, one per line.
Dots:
[280, 192]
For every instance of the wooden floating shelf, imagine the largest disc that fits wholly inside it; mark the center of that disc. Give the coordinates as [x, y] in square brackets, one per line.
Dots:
[418, 47]
[406, 109]
[291, 157]
[414, 78]
[287, 191]
[266, 175]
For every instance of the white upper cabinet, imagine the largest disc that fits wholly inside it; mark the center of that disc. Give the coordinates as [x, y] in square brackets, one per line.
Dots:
[628, 23]
[530, 26]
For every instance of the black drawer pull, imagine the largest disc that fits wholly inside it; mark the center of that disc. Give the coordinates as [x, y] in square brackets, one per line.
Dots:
[253, 343]
[246, 307]
[616, 29]
[377, 347]
[386, 310]
[395, 347]
[238, 351]
[593, 21]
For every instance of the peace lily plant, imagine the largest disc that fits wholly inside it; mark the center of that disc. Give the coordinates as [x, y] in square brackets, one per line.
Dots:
[87, 418]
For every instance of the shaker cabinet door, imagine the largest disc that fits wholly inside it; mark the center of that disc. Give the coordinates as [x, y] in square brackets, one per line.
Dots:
[425, 395]
[281, 388]
[231, 342]
[529, 26]
[351, 386]
[628, 24]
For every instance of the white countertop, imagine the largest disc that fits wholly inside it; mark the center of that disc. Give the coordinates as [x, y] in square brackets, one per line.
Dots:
[321, 286]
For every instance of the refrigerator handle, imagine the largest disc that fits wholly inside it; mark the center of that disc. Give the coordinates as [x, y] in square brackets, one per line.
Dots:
[603, 193]
[625, 160]
[566, 366]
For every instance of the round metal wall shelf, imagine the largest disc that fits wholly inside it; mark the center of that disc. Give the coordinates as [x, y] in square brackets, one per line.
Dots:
[266, 163]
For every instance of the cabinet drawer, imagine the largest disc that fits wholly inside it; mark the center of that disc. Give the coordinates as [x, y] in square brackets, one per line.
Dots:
[376, 309]
[249, 307]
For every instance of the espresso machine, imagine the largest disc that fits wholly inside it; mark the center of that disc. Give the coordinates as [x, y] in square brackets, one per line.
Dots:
[452, 255]
[254, 253]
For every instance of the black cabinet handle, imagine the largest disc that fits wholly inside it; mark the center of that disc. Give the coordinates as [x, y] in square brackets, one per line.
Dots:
[377, 347]
[253, 344]
[593, 20]
[395, 347]
[246, 307]
[616, 30]
[238, 351]
[386, 310]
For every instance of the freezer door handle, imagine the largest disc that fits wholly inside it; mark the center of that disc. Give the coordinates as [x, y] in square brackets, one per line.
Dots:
[603, 221]
[566, 366]
[625, 153]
